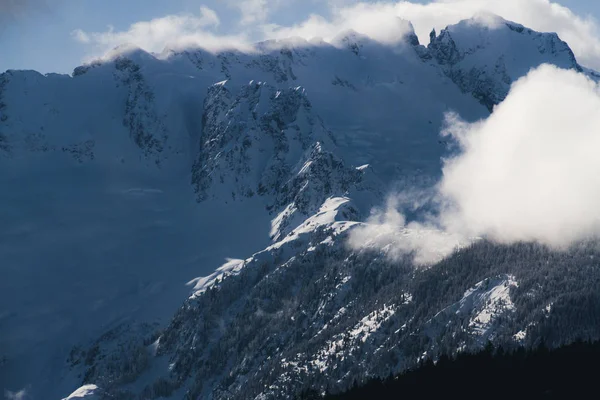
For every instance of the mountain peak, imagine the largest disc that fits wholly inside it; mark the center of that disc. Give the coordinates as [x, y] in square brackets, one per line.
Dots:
[393, 31]
[487, 30]
[485, 54]
[278, 44]
[486, 19]
[130, 51]
[126, 52]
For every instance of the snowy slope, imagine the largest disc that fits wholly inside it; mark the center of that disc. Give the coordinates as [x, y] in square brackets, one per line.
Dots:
[126, 185]
[309, 313]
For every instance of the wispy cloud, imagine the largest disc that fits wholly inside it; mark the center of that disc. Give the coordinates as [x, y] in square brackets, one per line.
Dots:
[176, 31]
[387, 230]
[377, 21]
[20, 395]
[253, 12]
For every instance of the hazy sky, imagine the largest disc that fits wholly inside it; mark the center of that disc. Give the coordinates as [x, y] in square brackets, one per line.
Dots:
[57, 35]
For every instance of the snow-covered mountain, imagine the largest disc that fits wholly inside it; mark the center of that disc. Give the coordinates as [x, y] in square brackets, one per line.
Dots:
[484, 62]
[228, 183]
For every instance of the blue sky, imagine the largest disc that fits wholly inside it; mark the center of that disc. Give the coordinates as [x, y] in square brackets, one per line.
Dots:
[39, 34]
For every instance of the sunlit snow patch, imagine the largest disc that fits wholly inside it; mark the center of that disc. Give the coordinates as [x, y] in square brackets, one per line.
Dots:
[483, 306]
[87, 392]
[486, 302]
[231, 267]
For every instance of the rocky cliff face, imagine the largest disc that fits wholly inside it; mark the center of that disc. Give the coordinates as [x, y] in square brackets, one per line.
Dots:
[267, 142]
[146, 129]
[252, 139]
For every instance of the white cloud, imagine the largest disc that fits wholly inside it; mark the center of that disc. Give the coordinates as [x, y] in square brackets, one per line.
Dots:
[378, 21]
[254, 11]
[529, 172]
[208, 17]
[81, 36]
[176, 31]
[386, 230]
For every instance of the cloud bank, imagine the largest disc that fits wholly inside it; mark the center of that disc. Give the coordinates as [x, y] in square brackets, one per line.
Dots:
[378, 20]
[529, 172]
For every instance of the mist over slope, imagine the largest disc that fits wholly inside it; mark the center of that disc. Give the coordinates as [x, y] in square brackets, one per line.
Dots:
[128, 184]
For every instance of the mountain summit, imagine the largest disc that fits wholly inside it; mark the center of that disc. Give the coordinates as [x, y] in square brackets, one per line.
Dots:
[484, 55]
